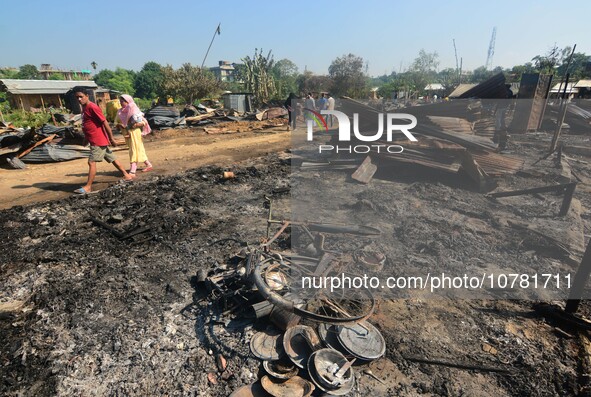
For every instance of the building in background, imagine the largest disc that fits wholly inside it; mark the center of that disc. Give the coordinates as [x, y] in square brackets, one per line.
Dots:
[224, 72]
[47, 71]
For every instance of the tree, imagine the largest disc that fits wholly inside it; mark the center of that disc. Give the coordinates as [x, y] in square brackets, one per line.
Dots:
[547, 63]
[577, 67]
[515, 73]
[285, 73]
[56, 76]
[28, 72]
[310, 82]
[449, 78]
[8, 74]
[122, 81]
[347, 75]
[148, 80]
[396, 84]
[188, 83]
[102, 78]
[480, 74]
[258, 76]
[423, 70]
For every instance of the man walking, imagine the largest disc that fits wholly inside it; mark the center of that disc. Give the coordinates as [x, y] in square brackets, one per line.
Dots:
[97, 132]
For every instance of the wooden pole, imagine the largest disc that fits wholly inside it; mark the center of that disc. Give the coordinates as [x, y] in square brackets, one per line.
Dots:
[563, 105]
[559, 119]
[579, 282]
[20, 98]
[42, 102]
[217, 31]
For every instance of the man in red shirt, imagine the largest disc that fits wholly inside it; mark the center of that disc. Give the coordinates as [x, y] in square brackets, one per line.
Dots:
[97, 132]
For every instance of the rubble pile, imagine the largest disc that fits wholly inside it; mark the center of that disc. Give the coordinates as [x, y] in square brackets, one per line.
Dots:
[88, 311]
[62, 140]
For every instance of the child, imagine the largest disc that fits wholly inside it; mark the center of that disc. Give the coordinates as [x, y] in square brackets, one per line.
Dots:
[135, 126]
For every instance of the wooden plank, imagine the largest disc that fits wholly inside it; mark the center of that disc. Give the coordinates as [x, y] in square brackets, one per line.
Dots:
[365, 171]
[41, 142]
[544, 189]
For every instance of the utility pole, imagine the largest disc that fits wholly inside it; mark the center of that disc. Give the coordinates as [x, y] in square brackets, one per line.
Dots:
[457, 66]
[218, 32]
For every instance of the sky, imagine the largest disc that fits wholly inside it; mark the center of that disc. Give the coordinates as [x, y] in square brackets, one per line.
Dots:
[388, 35]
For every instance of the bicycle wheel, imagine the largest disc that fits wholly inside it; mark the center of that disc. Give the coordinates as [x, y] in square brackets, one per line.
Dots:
[277, 276]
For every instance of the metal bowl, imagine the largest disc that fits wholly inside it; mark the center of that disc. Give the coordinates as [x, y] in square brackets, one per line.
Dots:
[299, 342]
[322, 367]
[294, 387]
[280, 369]
[362, 340]
[267, 345]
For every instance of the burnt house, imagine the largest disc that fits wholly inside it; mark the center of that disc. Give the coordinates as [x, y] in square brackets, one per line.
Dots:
[42, 94]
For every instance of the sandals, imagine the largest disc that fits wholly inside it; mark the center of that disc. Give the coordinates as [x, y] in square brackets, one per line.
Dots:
[81, 191]
[148, 169]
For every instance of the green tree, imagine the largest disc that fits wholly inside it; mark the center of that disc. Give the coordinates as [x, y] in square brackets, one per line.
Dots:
[547, 63]
[56, 76]
[102, 78]
[8, 74]
[423, 70]
[258, 76]
[514, 74]
[480, 74]
[577, 67]
[28, 72]
[394, 85]
[122, 81]
[188, 83]
[148, 80]
[285, 73]
[449, 78]
[310, 82]
[347, 75]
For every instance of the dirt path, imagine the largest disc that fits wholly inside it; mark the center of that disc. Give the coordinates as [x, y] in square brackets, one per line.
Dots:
[170, 152]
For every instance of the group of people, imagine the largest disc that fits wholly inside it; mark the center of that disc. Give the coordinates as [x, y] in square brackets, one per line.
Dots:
[324, 102]
[98, 133]
[132, 124]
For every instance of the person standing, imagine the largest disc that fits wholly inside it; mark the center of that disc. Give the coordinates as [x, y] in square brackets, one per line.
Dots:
[133, 126]
[330, 106]
[291, 106]
[97, 132]
[322, 102]
[309, 106]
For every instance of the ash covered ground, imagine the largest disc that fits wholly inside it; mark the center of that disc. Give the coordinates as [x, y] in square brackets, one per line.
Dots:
[88, 314]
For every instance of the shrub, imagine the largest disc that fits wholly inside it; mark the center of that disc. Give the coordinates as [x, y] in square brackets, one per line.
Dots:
[21, 118]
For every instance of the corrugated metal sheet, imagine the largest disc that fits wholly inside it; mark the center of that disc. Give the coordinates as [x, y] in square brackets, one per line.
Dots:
[434, 87]
[559, 88]
[493, 88]
[583, 84]
[460, 89]
[495, 164]
[15, 86]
